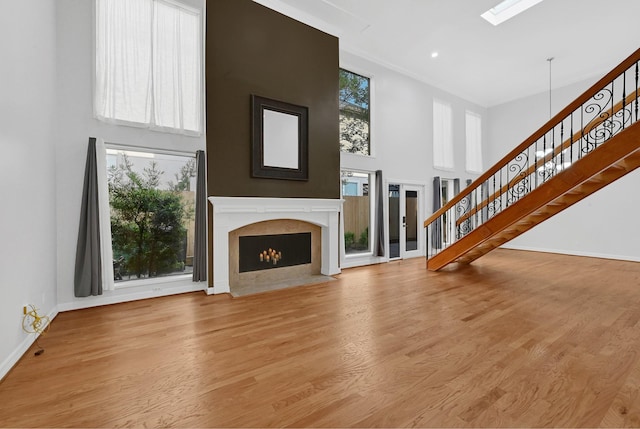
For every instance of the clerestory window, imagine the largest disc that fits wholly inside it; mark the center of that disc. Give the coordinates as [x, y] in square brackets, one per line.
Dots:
[148, 65]
[355, 113]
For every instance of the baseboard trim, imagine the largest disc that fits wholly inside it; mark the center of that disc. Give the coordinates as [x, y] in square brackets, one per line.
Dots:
[24, 346]
[573, 253]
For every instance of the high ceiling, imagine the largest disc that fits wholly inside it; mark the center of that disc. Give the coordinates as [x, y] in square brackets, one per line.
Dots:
[484, 64]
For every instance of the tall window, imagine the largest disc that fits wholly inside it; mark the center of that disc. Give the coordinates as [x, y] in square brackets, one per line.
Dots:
[148, 64]
[473, 123]
[355, 113]
[442, 135]
[152, 203]
[356, 212]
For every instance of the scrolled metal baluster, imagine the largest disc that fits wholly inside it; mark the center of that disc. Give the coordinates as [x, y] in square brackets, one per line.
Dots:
[520, 178]
[637, 99]
[535, 163]
[494, 185]
[501, 184]
[543, 170]
[562, 143]
[553, 148]
[527, 169]
[624, 97]
[465, 207]
[508, 181]
[612, 112]
[571, 146]
[601, 130]
[581, 131]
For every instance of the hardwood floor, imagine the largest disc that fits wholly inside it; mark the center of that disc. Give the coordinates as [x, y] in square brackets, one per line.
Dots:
[516, 339]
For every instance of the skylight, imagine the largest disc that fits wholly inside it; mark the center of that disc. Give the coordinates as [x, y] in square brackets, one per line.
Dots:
[507, 10]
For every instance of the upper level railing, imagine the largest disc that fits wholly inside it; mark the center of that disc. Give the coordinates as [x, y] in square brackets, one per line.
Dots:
[601, 112]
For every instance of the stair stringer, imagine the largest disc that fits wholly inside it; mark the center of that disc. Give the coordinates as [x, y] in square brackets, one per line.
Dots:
[614, 159]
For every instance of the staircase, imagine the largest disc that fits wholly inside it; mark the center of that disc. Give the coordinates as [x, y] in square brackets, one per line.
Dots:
[588, 145]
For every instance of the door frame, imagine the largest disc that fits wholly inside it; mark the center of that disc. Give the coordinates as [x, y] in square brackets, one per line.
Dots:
[406, 185]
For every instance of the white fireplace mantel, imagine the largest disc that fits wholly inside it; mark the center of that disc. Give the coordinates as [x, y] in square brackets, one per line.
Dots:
[230, 213]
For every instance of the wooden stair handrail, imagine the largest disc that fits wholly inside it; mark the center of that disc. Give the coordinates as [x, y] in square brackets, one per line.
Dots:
[599, 120]
[550, 124]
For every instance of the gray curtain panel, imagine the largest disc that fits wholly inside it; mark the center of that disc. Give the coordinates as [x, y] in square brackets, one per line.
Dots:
[456, 186]
[200, 239]
[379, 241]
[484, 193]
[88, 271]
[436, 228]
[467, 209]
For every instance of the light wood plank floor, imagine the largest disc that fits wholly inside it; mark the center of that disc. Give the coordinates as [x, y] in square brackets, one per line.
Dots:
[516, 339]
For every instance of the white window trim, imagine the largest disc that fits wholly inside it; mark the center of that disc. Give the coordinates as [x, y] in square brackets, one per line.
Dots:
[364, 258]
[108, 282]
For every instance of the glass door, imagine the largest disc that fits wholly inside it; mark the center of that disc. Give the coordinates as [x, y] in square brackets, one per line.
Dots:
[394, 221]
[404, 221]
[411, 221]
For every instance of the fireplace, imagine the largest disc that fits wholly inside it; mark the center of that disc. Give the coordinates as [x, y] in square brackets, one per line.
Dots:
[235, 218]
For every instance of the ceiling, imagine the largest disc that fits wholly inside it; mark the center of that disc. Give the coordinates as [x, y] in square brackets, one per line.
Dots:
[479, 62]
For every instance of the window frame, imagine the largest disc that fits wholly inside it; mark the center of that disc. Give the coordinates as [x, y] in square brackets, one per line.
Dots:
[364, 73]
[447, 149]
[478, 148]
[104, 209]
[371, 187]
[201, 82]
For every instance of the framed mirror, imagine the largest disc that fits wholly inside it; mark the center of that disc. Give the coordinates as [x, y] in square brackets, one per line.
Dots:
[279, 139]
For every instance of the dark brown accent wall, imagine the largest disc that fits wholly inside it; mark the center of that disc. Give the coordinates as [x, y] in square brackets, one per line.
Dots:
[254, 50]
[251, 49]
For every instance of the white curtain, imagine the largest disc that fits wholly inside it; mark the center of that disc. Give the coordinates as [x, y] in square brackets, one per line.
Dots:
[442, 135]
[148, 64]
[473, 123]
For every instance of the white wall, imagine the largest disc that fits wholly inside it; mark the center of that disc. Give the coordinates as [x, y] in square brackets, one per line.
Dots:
[402, 132]
[75, 125]
[28, 213]
[602, 224]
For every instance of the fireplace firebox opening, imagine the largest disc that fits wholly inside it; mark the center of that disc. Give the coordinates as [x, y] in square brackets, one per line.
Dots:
[265, 252]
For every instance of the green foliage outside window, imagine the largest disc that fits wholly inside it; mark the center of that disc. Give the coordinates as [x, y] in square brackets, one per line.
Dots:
[354, 99]
[147, 223]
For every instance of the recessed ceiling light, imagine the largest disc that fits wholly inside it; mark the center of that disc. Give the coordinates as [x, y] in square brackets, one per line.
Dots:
[507, 9]
[434, 54]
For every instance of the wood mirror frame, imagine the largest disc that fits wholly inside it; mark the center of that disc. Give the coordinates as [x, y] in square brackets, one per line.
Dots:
[279, 139]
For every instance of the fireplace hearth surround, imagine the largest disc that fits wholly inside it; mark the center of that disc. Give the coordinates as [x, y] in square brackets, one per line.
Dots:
[231, 213]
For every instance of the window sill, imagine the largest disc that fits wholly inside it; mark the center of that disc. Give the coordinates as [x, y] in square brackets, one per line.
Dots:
[448, 169]
[127, 294]
[150, 127]
[181, 278]
[358, 255]
[351, 261]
